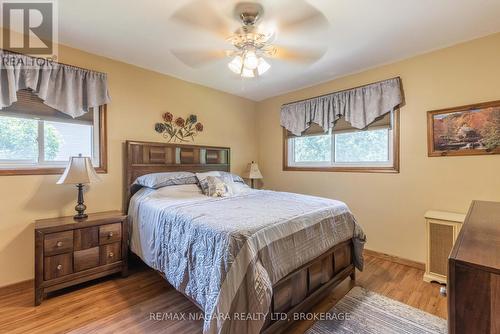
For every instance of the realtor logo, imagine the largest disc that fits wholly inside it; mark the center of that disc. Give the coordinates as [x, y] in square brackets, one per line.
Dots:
[29, 27]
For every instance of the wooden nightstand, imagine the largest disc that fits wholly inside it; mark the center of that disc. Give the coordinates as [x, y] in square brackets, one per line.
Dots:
[69, 252]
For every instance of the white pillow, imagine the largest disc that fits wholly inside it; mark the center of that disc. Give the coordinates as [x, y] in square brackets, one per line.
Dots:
[236, 188]
[179, 192]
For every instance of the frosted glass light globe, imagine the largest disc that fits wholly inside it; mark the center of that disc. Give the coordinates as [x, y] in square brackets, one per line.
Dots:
[235, 65]
[251, 61]
[263, 66]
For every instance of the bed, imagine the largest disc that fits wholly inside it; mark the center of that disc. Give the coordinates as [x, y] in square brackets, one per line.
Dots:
[251, 262]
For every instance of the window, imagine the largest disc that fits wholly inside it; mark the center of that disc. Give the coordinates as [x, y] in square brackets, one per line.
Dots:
[36, 139]
[344, 148]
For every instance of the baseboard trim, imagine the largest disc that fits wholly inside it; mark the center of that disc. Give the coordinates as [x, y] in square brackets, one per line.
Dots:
[392, 258]
[16, 286]
[430, 277]
[396, 259]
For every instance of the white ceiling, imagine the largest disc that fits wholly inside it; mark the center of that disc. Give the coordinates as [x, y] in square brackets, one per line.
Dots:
[354, 35]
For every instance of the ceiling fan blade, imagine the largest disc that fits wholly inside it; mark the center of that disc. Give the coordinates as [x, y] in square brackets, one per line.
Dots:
[198, 58]
[312, 22]
[298, 56]
[271, 36]
[301, 18]
[200, 14]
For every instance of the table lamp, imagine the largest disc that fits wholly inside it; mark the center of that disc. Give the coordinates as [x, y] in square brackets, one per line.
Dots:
[253, 172]
[79, 172]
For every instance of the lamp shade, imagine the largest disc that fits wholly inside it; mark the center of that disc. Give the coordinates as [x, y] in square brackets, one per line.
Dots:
[253, 171]
[79, 170]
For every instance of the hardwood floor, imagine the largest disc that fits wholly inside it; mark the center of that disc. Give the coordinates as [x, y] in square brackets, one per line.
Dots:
[393, 280]
[117, 304]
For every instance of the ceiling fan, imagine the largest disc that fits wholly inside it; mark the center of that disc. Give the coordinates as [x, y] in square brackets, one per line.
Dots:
[253, 45]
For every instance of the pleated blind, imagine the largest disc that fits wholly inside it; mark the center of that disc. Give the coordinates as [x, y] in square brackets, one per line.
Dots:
[29, 105]
[314, 129]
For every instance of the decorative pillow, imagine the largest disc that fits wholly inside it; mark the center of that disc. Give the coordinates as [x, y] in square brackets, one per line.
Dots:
[202, 180]
[201, 176]
[158, 180]
[234, 183]
[214, 186]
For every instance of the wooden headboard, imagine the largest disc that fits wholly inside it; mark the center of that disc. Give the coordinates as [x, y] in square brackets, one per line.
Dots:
[147, 157]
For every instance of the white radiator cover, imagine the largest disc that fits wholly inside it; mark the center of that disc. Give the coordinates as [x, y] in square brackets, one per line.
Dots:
[442, 229]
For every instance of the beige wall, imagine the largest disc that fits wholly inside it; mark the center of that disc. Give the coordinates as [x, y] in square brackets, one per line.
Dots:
[390, 207]
[139, 97]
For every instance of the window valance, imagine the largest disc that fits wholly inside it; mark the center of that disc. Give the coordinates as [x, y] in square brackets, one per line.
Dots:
[359, 106]
[68, 89]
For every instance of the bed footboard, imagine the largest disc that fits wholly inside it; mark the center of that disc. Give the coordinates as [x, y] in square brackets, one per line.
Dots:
[300, 290]
[303, 288]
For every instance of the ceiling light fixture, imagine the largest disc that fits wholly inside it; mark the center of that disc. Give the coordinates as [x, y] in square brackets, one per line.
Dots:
[251, 45]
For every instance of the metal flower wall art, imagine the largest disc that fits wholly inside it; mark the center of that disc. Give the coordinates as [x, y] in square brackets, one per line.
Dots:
[179, 129]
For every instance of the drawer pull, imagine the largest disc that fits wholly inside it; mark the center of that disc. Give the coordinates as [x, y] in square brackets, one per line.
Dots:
[59, 244]
[110, 234]
[59, 267]
[111, 254]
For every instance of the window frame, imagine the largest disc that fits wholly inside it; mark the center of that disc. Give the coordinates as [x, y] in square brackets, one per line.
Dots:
[348, 167]
[46, 168]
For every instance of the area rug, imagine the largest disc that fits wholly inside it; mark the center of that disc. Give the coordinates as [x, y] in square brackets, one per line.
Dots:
[362, 311]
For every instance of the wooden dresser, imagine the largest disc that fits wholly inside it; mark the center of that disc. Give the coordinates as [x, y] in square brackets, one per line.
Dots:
[69, 252]
[474, 273]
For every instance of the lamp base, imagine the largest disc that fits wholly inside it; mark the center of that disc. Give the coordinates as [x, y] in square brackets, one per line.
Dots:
[80, 207]
[80, 216]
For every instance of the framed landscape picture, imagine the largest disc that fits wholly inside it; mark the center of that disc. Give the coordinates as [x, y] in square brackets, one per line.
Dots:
[467, 130]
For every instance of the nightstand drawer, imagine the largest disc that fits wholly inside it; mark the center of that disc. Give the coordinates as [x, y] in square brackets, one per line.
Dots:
[86, 238]
[86, 259]
[58, 243]
[111, 253]
[110, 233]
[57, 266]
